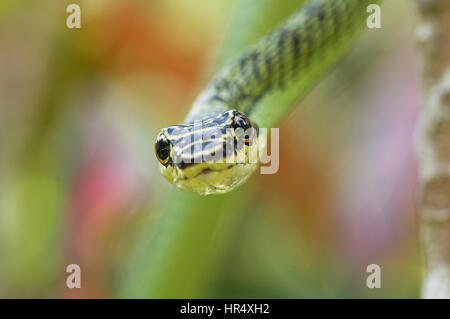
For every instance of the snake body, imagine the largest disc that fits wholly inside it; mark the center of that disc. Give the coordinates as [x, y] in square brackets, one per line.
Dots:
[287, 59]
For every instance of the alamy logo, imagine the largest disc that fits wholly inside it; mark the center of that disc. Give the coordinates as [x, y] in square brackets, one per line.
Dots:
[73, 21]
[74, 279]
[374, 279]
[374, 19]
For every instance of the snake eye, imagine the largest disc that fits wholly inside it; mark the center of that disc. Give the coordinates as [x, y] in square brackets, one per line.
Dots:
[246, 130]
[241, 121]
[162, 149]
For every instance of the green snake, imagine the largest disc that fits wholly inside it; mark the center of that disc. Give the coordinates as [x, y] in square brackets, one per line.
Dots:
[224, 118]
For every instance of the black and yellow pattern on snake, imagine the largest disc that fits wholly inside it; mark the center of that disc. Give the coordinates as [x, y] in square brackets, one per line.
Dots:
[212, 155]
[288, 59]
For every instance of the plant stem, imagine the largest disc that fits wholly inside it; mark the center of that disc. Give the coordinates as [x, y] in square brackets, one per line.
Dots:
[433, 147]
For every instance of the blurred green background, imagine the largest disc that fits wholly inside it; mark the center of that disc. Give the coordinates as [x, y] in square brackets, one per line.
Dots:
[79, 183]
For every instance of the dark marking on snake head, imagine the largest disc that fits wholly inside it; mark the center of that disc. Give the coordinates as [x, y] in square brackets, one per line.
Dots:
[321, 14]
[243, 62]
[256, 72]
[283, 34]
[269, 67]
[296, 49]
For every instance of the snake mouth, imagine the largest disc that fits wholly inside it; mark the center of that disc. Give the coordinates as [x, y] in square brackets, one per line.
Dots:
[210, 179]
[208, 170]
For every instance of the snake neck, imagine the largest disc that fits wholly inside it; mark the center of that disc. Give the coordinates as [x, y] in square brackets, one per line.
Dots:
[294, 49]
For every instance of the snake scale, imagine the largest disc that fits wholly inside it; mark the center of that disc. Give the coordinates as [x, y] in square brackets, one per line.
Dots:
[287, 60]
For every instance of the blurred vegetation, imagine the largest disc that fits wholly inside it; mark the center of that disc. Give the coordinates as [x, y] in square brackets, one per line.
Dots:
[79, 111]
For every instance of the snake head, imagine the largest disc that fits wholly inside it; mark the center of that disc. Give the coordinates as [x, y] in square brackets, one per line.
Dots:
[212, 155]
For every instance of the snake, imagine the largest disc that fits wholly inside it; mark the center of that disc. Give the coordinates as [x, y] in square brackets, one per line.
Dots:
[210, 153]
